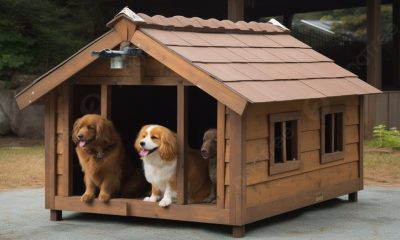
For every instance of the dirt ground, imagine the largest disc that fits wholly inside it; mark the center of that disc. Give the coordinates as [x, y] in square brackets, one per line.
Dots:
[21, 163]
[381, 166]
[11, 141]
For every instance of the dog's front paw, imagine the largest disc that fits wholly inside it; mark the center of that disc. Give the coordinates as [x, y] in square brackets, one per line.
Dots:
[87, 197]
[165, 202]
[104, 197]
[209, 199]
[152, 198]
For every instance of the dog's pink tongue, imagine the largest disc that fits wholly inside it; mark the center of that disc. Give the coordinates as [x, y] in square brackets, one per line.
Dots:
[143, 153]
[82, 143]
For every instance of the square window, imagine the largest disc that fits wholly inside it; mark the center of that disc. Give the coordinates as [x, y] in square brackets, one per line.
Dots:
[284, 142]
[332, 133]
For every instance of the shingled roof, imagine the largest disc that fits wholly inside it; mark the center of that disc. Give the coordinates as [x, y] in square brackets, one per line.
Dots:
[257, 62]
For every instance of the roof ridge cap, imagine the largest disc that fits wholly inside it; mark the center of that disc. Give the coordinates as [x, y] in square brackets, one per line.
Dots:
[179, 23]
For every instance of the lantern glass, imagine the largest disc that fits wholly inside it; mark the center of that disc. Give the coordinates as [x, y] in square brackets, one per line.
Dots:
[117, 62]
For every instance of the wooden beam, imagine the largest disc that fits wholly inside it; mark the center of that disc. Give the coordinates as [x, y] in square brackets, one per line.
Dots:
[374, 49]
[105, 101]
[66, 91]
[237, 187]
[189, 72]
[205, 213]
[65, 70]
[157, 81]
[235, 10]
[114, 207]
[181, 169]
[125, 28]
[220, 155]
[396, 44]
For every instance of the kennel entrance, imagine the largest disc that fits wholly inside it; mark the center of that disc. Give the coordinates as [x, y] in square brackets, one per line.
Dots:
[182, 108]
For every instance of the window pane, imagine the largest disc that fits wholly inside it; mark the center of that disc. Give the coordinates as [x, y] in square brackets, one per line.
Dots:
[278, 142]
[328, 133]
[291, 140]
[338, 145]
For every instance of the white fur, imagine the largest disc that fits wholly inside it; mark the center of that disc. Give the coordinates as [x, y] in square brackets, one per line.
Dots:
[158, 172]
[149, 144]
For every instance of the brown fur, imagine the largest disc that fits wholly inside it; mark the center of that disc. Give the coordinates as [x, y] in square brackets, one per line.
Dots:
[209, 152]
[103, 161]
[197, 176]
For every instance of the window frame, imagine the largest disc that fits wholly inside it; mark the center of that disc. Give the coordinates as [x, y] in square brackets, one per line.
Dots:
[285, 166]
[338, 155]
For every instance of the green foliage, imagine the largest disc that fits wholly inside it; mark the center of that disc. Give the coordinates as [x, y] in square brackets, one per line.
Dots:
[353, 21]
[386, 138]
[37, 35]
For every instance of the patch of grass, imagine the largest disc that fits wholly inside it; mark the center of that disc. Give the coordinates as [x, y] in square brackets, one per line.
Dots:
[21, 167]
[384, 137]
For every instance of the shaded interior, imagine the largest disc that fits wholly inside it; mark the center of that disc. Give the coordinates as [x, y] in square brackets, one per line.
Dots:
[135, 106]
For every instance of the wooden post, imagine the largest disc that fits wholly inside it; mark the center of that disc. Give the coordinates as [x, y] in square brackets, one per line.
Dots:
[396, 44]
[55, 215]
[66, 108]
[181, 172]
[50, 150]
[353, 197]
[361, 144]
[221, 156]
[374, 51]
[235, 10]
[287, 20]
[374, 60]
[238, 231]
[237, 176]
[51, 156]
[105, 101]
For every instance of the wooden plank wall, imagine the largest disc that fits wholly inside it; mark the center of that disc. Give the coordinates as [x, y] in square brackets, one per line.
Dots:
[263, 188]
[387, 111]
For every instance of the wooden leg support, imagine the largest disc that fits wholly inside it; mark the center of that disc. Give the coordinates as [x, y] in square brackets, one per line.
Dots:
[353, 197]
[55, 215]
[237, 231]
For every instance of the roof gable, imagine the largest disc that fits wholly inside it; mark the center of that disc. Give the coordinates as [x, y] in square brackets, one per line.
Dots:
[235, 63]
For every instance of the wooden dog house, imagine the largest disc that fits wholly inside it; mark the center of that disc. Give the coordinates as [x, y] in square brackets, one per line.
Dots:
[289, 120]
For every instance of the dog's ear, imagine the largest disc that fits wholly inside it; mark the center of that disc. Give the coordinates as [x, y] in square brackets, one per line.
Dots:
[75, 130]
[105, 133]
[168, 147]
[139, 138]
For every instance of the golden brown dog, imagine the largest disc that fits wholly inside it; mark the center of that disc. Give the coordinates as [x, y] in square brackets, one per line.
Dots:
[103, 160]
[157, 145]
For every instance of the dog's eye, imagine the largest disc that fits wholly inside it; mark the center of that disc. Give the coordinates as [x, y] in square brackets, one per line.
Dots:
[90, 127]
[154, 137]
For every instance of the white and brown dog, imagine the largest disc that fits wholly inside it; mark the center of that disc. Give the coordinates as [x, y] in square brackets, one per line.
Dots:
[157, 146]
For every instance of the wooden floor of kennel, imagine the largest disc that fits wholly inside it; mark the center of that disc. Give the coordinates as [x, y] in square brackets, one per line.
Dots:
[243, 186]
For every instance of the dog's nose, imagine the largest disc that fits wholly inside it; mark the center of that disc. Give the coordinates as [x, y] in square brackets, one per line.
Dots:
[142, 143]
[203, 151]
[80, 136]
